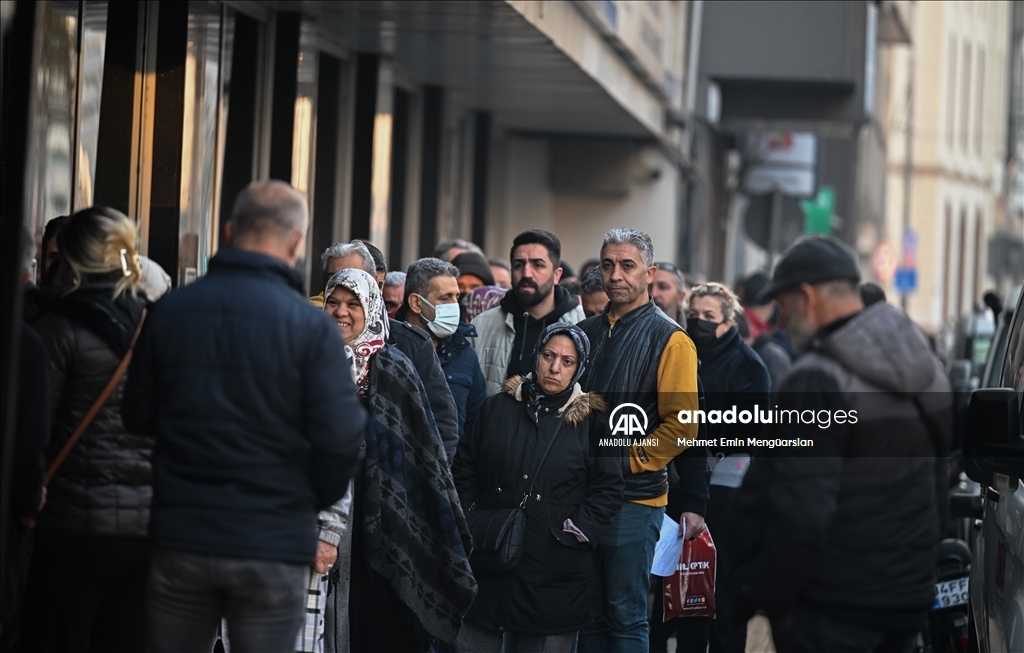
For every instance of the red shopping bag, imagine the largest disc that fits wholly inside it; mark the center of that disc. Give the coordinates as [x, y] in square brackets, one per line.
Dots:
[690, 591]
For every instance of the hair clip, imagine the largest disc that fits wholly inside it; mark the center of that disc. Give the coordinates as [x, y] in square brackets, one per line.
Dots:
[124, 263]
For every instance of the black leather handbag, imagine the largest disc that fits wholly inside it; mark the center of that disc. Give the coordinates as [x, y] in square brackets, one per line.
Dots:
[498, 533]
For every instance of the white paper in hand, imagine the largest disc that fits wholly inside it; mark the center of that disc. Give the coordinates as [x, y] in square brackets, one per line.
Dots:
[668, 549]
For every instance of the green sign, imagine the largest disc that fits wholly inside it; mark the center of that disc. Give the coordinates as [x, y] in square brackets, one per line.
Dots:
[818, 213]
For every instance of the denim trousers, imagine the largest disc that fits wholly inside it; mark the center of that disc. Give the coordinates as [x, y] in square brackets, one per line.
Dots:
[622, 574]
[263, 602]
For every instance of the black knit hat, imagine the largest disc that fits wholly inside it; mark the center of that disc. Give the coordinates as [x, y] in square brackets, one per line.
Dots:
[812, 260]
[473, 263]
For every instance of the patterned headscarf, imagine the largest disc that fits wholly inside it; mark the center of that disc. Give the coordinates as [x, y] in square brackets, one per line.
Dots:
[375, 329]
[479, 300]
[578, 337]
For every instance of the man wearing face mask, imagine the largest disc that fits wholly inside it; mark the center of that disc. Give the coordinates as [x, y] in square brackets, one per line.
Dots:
[837, 542]
[733, 376]
[432, 304]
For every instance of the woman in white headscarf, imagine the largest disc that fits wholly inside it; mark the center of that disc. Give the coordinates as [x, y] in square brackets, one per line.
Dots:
[409, 579]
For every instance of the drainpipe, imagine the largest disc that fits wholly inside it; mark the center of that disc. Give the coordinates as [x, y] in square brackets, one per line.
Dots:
[686, 217]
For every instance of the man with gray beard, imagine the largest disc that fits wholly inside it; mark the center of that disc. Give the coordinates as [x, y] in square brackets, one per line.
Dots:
[837, 543]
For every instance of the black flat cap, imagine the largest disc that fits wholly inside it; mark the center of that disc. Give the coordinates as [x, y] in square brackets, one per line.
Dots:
[813, 260]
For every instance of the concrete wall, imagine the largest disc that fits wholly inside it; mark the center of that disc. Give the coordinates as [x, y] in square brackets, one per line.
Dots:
[527, 201]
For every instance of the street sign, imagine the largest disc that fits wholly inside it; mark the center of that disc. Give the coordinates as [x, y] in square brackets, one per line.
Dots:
[782, 161]
[906, 280]
[818, 212]
[884, 260]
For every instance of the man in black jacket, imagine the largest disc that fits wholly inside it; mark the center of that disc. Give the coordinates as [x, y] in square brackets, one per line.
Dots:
[837, 541]
[258, 427]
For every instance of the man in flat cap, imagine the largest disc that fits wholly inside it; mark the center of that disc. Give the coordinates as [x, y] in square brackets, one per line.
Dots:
[839, 537]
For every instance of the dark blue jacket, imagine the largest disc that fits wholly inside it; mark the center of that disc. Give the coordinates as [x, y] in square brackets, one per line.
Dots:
[462, 370]
[246, 386]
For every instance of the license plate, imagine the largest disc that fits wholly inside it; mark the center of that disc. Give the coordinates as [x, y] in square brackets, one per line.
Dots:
[951, 593]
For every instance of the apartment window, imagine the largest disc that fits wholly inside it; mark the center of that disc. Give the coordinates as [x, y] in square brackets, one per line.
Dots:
[947, 283]
[951, 92]
[959, 307]
[965, 108]
[979, 113]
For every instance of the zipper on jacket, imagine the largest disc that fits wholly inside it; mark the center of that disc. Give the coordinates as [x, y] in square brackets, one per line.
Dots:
[522, 347]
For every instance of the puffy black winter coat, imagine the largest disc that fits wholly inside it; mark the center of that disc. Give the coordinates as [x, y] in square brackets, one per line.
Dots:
[104, 488]
[551, 591]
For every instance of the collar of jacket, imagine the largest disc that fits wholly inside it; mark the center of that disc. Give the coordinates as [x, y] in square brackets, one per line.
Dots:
[633, 315]
[240, 260]
[729, 340]
[578, 407]
[564, 302]
[456, 342]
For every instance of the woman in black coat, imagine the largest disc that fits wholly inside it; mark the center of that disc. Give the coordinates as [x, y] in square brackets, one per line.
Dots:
[549, 595]
[733, 375]
[87, 578]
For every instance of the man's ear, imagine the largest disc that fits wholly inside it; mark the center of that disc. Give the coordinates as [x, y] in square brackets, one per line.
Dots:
[558, 274]
[415, 304]
[296, 245]
[229, 234]
[650, 274]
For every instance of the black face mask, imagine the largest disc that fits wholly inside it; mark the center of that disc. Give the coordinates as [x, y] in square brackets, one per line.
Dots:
[702, 332]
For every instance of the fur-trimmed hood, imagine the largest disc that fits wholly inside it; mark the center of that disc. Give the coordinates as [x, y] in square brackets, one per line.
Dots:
[577, 409]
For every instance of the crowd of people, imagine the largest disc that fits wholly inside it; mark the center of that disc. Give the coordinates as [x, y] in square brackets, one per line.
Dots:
[425, 459]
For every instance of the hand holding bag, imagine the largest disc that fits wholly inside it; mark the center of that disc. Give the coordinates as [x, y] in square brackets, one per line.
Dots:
[498, 534]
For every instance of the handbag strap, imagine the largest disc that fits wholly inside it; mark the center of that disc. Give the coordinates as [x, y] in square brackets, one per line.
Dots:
[95, 409]
[541, 464]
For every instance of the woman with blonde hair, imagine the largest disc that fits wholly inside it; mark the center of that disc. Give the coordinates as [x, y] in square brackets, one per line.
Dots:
[86, 583]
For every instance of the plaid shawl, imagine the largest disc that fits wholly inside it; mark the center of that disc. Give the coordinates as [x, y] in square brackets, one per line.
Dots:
[413, 526]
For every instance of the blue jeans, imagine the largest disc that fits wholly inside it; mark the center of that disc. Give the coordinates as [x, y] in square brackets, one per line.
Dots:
[622, 574]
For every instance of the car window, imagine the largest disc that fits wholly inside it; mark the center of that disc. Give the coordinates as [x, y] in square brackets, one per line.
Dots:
[1013, 366]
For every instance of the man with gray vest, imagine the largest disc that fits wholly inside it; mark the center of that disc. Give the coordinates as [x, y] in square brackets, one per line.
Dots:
[837, 541]
[508, 332]
[641, 361]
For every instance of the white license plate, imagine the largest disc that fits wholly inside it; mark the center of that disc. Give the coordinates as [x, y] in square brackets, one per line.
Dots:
[951, 593]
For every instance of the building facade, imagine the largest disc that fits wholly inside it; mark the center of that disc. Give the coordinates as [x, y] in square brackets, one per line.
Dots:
[947, 160]
[403, 123]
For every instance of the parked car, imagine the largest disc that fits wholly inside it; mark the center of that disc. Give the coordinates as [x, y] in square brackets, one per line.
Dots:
[994, 457]
[1003, 311]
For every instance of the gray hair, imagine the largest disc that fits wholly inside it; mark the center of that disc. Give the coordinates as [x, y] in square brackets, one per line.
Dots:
[445, 245]
[592, 281]
[423, 271]
[394, 279]
[341, 250]
[634, 237]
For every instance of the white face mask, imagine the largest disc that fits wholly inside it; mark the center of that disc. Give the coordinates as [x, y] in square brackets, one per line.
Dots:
[446, 318]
